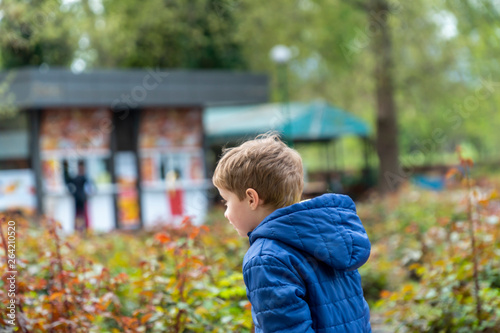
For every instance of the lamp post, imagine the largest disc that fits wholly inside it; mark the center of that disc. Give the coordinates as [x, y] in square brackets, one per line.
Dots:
[281, 54]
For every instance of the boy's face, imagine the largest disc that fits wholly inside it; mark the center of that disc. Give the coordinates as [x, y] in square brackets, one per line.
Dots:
[241, 214]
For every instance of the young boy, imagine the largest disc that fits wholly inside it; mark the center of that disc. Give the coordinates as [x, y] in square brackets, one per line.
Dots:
[301, 269]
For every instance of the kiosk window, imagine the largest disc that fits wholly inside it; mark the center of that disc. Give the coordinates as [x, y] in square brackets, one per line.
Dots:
[14, 136]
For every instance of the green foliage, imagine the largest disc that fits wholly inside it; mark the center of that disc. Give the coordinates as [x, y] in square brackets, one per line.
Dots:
[444, 300]
[7, 108]
[166, 34]
[447, 264]
[35, 32]
[446, 82]
[446, 77]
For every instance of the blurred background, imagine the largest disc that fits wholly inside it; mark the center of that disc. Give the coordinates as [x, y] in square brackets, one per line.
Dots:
[113, 114]
[373, 94]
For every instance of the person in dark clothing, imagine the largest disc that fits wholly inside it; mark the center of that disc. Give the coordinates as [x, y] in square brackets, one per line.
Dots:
[79, 186]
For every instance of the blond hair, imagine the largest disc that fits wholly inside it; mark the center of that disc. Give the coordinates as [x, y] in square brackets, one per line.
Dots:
[265, 164]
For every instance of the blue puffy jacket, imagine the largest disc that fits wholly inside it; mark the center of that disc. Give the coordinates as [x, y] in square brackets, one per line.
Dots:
[301, 269]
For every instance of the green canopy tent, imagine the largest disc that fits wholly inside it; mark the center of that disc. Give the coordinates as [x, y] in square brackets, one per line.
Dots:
[316, 121]
[298, 122]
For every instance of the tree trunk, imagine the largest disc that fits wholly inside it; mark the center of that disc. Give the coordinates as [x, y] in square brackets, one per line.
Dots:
[390, 175]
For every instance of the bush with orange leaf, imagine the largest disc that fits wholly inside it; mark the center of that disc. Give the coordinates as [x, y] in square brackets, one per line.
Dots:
[168, 280]
[456, 285]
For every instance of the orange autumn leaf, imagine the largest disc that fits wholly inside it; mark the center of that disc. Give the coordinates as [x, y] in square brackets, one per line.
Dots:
[385, 294]
[162, 238]
[122, 277]
[182, 264]
[129, 322]
[443, 221]
[186, 221]
[55, 295]
[146, 317]
[467, 162]
[452, 172]
[194, 233]
[411, 229]
[41, 284]
[484, 202]
[197, 261]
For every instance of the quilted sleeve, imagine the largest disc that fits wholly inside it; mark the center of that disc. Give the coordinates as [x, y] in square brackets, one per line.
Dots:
[277, 296]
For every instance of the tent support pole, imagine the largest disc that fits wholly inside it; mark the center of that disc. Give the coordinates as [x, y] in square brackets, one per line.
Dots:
[341, 154]
[366, 152]
[328, 169]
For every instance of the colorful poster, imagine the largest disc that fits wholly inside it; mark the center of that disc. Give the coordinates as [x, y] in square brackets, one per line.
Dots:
[78, 131]
[148, 169]
[171, 128]
[196, 171]
[128, 197]
[17, 190]
[52, 174]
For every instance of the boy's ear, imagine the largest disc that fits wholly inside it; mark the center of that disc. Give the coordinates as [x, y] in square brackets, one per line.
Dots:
[253, 198]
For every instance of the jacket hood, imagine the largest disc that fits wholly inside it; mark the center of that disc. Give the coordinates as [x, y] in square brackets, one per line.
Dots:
[327, 228]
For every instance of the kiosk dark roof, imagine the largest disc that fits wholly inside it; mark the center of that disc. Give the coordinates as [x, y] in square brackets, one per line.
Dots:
[33, 87]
